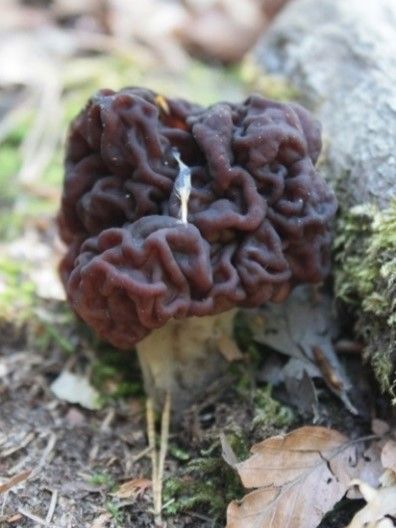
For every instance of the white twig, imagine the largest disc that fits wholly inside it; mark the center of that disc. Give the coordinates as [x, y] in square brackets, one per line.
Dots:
[52, 506]
[182, 186]
[32, 517]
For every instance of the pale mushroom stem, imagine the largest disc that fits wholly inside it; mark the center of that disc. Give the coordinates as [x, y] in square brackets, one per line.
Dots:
[184, 357]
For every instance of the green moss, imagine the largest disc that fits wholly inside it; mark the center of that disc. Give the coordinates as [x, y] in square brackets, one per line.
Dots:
[206, 483]
[365, 279]
[17, 292]
[117, 515]
[269, 412]
[116, 373]
[179, 454]
[102, 479]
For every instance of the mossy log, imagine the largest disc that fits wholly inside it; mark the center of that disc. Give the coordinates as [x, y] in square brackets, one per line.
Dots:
[340, 56]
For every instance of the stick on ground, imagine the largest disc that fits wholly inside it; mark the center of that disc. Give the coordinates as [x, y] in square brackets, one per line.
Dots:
[158, 458]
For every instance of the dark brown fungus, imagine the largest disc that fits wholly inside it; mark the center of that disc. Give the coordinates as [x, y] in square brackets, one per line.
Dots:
[258, 215]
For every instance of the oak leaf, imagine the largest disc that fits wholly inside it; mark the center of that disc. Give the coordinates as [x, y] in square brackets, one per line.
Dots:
[298, 478]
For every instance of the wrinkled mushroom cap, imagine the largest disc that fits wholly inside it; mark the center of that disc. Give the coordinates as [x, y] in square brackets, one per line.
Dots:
[259, 215]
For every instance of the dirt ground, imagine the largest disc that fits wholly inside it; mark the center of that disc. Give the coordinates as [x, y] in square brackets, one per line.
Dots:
[75, 458]
[71, 460]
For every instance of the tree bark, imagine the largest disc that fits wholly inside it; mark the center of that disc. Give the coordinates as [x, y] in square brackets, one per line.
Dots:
[340, 55]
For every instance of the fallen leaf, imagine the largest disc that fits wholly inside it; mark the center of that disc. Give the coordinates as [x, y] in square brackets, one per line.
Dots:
[101, 521]
[379, 427]
[388, 478]
[388, 460]
[388, 455]
[329, 373]
[372, 471]
[381, 504]
[298, 478]
[76, 389]
[297, 375]
[133, 488]
[302, 392]
[14, 518]
[227, 452]
[303, 327]
[74, 417]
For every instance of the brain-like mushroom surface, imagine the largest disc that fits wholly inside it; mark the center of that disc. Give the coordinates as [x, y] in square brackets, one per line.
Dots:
[258, 215]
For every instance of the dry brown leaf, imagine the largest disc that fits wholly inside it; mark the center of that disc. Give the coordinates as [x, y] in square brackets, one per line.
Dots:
[299, 477]
[16, 517]
[133, 488]
[381, 503]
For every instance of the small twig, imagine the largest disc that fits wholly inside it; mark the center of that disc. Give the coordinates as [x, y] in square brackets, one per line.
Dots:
[33, 517]
[143, 453]
[15, 480]
[151, 433]
[93, 452]
[47, 451]
[182, 186]
[25, 442]
[52, 506]
[108, 419]
[150, 416]
[165, 422]
[348, 346]
[200, 516]
[158, 459]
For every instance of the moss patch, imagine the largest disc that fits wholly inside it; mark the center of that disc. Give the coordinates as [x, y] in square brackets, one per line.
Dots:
[269, 412]
[365, 279]
[206, 481]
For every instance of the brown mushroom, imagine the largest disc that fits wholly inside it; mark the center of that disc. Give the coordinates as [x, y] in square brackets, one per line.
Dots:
[174, 215]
